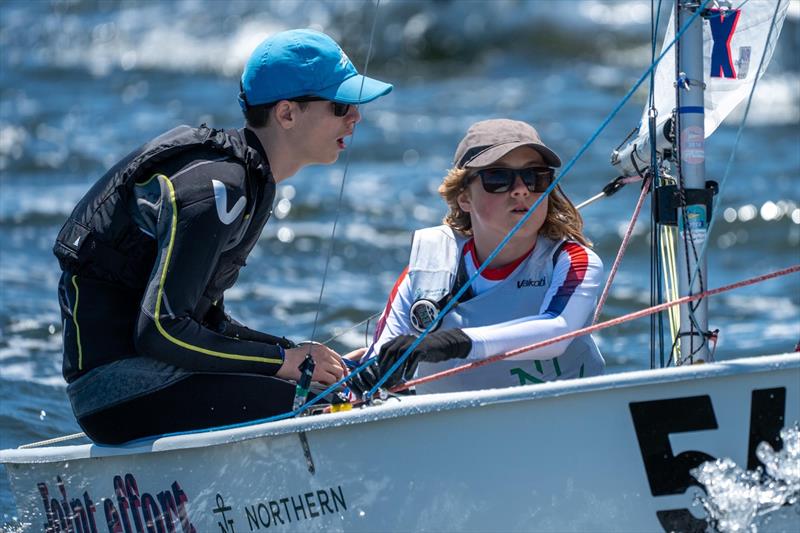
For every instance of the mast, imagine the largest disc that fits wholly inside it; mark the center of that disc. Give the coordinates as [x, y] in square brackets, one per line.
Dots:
[727, 52]
[694, 208]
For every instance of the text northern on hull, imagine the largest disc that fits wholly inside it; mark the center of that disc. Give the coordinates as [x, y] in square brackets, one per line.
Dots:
[599, 452]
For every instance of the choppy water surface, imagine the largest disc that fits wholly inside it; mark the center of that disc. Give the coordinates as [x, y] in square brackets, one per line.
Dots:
[764, 499]
[84, 82]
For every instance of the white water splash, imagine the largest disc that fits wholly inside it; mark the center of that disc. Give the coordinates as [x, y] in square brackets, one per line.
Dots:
[737, 498]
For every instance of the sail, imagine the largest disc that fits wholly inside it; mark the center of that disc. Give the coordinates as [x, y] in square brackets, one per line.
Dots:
[734, 40]
[733, 43]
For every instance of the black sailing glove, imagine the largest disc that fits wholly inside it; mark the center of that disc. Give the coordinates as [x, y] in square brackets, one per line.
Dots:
[434, 348]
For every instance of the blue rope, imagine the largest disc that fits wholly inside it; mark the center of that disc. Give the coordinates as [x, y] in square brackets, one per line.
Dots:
[274, 418]
[370, 359]
[536, 204]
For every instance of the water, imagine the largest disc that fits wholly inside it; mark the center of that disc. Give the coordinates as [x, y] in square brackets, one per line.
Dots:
[83, 82]
[740, 500]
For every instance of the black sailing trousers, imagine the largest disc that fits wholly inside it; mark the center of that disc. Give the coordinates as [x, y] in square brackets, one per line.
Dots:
[195, 402]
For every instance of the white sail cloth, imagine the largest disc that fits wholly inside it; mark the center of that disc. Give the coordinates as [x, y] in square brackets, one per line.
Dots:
[734, 41]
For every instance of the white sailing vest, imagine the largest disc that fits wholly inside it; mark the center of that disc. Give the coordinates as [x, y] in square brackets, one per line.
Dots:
[433, 265]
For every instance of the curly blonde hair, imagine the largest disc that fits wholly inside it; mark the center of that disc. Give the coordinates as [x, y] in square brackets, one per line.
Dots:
[562, 222]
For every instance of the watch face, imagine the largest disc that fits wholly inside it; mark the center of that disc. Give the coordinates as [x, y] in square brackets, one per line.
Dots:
[423, 312]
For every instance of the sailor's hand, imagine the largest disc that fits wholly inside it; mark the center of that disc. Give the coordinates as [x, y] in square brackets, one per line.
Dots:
[329, 366]
[363, 381]
[355, 355]
[434, 348]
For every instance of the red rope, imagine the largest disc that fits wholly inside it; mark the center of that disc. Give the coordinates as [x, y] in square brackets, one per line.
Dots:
[621, 252]
[597, 327]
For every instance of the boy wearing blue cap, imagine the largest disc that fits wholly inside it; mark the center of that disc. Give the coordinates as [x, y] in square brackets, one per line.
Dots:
[326, 91]
[148, 253]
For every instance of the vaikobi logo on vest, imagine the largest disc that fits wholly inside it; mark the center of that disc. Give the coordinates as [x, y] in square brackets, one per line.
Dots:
[522, 283]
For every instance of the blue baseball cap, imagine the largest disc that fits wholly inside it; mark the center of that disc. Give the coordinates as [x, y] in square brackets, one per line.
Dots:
[298, 63]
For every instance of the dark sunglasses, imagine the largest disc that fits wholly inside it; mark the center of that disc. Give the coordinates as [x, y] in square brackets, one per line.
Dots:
[339, 109]
[497, 180]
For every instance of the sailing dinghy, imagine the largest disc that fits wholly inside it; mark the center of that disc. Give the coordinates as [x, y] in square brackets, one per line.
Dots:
[612, 452]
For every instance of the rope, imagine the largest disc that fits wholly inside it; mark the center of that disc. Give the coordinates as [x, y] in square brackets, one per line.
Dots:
[486, 361]
[370, 360]
[622, 249]
[598, 327]
[689, 248]
[341, 185]
[584, 331]
[440, 375]
[351, 328]
[52, 441]
[536, 204]
[670, 278]
[656, 321]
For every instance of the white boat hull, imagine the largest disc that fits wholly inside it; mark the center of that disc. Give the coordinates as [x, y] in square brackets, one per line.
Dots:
[609, 453]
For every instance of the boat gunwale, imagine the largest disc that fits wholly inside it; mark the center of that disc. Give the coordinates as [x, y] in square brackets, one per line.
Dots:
[407, 405]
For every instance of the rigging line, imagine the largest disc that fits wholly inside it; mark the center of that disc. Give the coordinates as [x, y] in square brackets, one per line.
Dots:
[688, 242]
[432, 377]
[622, 249]
[656, 321]
[370, 360]
[314, 400]
[740, 6]
[394, 367]
[536, 204]
[341, 186]
[597, 327]
[633, 132]
[696, 273]
[656, 324]
[729, 166]
[686, 233]
[654, 21]
[703, 250]
[653, 278]
[351, 328]
[669, 275]
[680, 179]
[679, 75]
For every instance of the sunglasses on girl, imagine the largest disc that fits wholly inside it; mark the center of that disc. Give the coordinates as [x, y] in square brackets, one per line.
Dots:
[497, 180]
[339, 109]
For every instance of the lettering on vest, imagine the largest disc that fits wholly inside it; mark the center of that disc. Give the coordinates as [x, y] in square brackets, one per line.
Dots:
[531, 282]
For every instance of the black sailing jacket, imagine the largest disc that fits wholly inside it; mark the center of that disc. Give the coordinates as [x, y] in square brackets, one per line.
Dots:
[149, 251]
